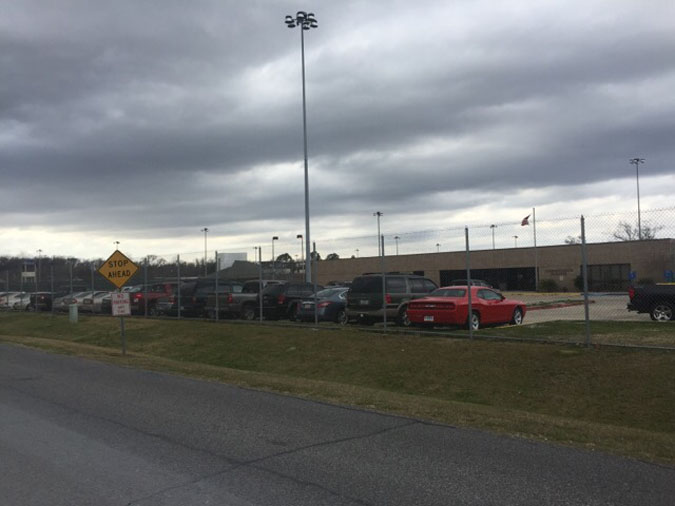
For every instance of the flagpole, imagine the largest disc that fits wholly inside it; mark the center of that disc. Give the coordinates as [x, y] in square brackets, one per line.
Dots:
[536, 256]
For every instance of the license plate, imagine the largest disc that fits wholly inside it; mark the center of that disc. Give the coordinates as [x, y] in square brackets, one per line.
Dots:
[307, 306]
[428, 318]
[364, 302]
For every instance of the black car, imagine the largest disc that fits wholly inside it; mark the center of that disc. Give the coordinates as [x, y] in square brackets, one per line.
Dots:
[283, 300]
[364, 300]
[40, 301]
[330, 306]
[194, 296]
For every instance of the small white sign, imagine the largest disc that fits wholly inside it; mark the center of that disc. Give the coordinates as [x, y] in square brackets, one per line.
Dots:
[120, 304]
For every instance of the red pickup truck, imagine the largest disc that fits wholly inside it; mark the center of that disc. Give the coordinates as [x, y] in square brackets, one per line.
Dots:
[142, 295]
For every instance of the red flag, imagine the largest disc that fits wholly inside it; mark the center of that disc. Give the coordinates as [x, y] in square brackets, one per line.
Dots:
[526, 221]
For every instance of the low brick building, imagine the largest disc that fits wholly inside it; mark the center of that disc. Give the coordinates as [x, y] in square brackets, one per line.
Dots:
[611, 265]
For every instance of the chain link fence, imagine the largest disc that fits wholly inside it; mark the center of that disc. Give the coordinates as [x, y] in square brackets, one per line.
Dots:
[545, 262]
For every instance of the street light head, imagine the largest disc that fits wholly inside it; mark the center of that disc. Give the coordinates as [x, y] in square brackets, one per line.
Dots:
[300, 15]
[275, 238]
[299, 236]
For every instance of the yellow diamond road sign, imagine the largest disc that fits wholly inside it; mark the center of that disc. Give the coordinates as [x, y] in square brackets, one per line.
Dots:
[118, 269]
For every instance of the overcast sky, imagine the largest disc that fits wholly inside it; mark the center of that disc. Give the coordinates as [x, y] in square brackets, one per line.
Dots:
[145, 121]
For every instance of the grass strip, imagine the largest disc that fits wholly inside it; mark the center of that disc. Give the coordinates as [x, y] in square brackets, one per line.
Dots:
[615, 400]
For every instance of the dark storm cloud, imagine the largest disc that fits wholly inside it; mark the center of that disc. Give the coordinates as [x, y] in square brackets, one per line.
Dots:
[172, 117]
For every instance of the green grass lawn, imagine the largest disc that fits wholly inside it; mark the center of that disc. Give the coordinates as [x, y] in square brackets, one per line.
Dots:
[620, 400]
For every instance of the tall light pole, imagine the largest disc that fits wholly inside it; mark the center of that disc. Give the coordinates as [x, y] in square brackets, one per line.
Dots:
[515, 238]
[302, 248]
[438, 247]
[274, 269]
[206, 231]
[396, 238]
[637, 162]
[493, 235]
[357, 252]
[304, 21]
[117, 245]
[379, 245]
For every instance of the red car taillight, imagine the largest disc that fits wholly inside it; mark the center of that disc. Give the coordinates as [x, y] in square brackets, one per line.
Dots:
[324, 303]
[230, 299]
[631, 292]
[138, 296]
[281, 299]
[387, 297]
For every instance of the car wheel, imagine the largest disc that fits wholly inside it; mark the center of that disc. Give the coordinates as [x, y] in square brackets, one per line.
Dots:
[662, 312]
[517, 318]
[152, 310]
[341, 317]
[402, 318]
[475, 321]
[248, 312]
[30, 308]
[293, 312]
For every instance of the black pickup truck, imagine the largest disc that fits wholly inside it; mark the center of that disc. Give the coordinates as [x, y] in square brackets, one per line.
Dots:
[244, 304]
[657, 300]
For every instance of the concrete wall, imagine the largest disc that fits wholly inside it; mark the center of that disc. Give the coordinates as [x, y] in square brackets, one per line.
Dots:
[559, 263]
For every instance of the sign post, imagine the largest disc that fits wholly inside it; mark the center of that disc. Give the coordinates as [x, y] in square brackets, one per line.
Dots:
[118, 269]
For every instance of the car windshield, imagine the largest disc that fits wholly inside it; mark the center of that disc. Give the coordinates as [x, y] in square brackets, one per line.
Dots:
[448, 292]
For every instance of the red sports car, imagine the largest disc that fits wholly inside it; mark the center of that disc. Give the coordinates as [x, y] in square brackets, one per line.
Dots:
[450, 306]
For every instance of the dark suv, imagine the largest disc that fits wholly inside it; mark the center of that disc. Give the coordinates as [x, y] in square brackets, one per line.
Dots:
[364, 300]
[283, 300]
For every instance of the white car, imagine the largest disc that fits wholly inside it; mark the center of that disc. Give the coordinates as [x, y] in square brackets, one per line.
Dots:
[7, 299]
[20, 301]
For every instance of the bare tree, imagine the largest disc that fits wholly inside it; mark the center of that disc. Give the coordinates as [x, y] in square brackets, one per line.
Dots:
[333, 256]
[627, 232]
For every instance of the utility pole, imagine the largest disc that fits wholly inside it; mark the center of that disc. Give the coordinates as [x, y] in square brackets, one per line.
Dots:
[637, 162]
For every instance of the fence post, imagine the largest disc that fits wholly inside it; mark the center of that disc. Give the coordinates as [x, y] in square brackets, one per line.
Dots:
[179, 290]
[384, 283]
[51, 282]
[217, 276]
[70, 275]
[468, 281]
[584, 274]
[315, 271]
[260, 290]
[145, 287]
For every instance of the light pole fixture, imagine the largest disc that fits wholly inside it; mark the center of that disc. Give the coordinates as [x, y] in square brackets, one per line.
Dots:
[637, 162]
[396, 238]
[493, 235]
[304, 21]
[357, 252]
[206, 231]
[274, 238]
[117, 245]
[379, 245]
[438, 247]
[515, 237]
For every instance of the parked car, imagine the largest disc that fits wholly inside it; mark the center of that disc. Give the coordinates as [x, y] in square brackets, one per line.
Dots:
[7, 299]
[244, 303]
[364, 300]
[94, 301]
[657, 300]
[21, 301]
[474, 282]
[283, 300]
[450, 306]
[330, 306]
[40, 301]
[194, 296]
[153, 293]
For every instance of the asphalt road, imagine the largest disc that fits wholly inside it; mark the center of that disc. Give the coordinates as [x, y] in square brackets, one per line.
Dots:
[76, 432]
